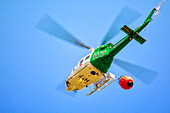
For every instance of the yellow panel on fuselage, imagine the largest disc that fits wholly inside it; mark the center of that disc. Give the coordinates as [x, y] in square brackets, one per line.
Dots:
[84, 76]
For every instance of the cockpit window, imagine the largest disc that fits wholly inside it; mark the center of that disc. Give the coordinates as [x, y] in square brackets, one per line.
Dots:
[87, 57]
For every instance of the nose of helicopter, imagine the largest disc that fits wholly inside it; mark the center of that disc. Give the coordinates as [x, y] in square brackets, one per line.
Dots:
[67, 86]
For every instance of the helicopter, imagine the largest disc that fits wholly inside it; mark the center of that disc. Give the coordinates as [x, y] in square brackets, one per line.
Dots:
[93, 68]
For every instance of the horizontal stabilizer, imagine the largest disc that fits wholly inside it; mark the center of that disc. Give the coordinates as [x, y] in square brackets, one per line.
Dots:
[139, 39]
[127, 30]
[124, 17]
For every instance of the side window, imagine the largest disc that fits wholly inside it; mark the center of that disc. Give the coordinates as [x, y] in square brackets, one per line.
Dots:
[81, 61]
[87, 57]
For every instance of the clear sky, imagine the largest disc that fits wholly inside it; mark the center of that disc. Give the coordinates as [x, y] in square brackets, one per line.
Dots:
[33, 63]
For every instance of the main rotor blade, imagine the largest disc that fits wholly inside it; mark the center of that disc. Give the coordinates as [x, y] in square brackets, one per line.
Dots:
[126, 16]
[145, 75]
[48, 25]
[62, 88]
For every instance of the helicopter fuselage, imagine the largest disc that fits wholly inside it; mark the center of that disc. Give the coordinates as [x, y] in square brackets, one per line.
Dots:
[94, 66]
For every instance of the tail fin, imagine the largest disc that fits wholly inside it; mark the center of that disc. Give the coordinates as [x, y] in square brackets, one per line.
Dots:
[131, 33]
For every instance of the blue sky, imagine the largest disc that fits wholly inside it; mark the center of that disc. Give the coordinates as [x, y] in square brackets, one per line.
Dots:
[33, 63]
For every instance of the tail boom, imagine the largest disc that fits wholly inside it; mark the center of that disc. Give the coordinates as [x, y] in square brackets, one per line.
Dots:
[134, 34]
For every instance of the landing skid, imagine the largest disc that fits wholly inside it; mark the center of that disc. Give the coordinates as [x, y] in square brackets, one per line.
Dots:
[101, 84]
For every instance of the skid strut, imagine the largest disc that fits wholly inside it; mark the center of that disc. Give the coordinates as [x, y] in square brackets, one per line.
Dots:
[101, 84]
